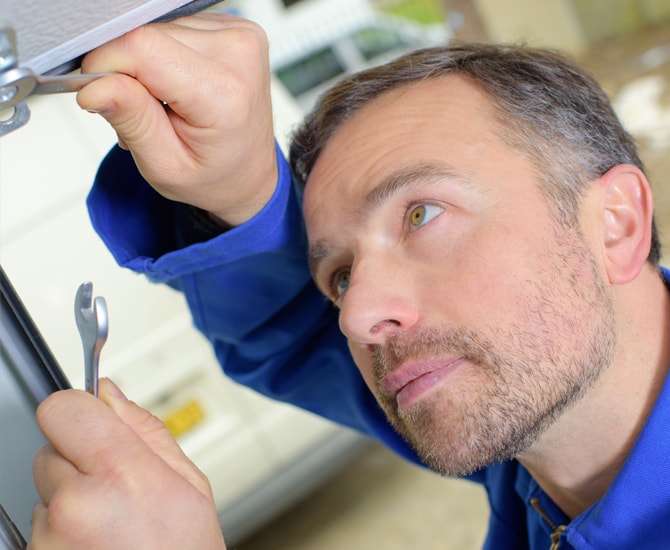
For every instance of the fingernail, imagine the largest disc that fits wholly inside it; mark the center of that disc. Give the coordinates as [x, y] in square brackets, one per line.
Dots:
[114, 390]
[108, 109]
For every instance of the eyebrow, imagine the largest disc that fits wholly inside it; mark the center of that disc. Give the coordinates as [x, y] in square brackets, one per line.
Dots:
[412, 175]
[318, 252]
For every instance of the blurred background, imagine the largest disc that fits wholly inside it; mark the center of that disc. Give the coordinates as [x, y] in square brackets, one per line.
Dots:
[282, 478]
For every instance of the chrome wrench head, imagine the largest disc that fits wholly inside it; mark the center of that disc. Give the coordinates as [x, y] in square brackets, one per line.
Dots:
[92, 322]
[19, 83]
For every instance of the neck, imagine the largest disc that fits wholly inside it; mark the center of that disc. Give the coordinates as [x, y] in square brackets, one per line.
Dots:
[578, 457]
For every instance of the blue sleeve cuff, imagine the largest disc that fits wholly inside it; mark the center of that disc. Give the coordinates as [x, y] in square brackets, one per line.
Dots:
[138, 225]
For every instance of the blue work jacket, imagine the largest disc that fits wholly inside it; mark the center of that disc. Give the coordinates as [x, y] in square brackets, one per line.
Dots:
[250, 293]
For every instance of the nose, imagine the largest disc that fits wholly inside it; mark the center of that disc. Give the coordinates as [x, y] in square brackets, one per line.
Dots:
[379, 302]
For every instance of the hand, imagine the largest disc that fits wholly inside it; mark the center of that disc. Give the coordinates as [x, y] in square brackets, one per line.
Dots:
[113, 477]
[192, 104]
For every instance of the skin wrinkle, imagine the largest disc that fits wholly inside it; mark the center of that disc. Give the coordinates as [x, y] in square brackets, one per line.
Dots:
[543, 106]
[535, 302]
[518, 401]
[411, 176]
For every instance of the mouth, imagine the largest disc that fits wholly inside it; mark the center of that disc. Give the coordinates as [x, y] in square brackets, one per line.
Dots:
[412, 381]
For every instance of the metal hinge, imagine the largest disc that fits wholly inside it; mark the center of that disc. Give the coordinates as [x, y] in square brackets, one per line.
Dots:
[18, 114]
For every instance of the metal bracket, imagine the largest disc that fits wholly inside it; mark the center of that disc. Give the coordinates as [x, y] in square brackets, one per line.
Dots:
[19, 114]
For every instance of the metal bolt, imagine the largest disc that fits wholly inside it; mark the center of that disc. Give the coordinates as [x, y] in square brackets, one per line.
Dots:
[7, 93]
[14, 116]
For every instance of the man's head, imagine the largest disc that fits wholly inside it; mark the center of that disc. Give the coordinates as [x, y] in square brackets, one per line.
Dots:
[466, 243]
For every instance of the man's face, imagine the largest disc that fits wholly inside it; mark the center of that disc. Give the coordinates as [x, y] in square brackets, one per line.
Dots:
[472, 315]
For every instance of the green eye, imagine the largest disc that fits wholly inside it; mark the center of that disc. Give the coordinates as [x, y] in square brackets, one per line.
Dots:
[422, 214]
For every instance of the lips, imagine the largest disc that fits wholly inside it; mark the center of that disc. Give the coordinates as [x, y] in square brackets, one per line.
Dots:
[411, 381]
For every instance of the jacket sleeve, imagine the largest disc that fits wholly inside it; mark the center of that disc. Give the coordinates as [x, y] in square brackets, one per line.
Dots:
[249, 291]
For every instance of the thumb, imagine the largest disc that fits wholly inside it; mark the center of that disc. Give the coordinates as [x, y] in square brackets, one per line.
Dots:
[154, 434]
[139, 119]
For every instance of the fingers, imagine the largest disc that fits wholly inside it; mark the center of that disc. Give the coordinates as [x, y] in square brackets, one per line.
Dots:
[86, 432]
[38, 528]
[154, 434]
[100, 435]
[50, 471]
[139, 119]
[183, 77]
[191, 100]
[113, 477]
[58, 526]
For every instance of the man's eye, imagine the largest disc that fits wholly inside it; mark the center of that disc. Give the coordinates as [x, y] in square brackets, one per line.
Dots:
[422, 214]
[340, 282]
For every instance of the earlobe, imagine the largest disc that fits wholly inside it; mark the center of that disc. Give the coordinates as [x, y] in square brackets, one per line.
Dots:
[628, 213]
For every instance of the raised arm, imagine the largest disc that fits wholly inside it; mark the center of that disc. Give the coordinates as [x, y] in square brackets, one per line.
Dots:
[247, 284]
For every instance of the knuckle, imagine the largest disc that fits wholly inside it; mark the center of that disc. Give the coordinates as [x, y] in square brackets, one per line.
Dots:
[243, 42]
[143, 42]
[62, 513]
[134, 122]
[42, 457]
[151, 424]
[141, 37]
[259, 33]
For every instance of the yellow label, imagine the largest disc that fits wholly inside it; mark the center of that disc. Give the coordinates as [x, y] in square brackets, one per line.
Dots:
[185, 418]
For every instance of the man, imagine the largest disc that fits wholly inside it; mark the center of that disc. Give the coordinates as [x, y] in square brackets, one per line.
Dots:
[484, 227]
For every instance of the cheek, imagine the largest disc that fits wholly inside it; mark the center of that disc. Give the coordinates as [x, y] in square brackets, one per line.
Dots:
[483, 276]
[364, 363]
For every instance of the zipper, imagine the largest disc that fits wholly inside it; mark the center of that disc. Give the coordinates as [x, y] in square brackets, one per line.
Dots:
[557, 530]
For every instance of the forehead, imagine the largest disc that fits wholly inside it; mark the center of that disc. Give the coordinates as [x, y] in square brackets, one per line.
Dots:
[446, 119]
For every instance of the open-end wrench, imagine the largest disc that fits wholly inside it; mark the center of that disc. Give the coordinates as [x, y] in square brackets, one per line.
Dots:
[17, 83]
[91, 317]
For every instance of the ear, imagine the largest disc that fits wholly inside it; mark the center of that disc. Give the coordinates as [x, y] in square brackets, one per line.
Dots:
[628, 213]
